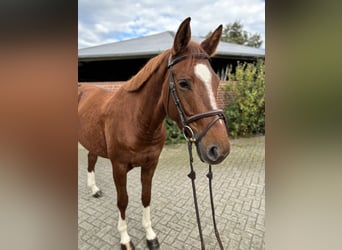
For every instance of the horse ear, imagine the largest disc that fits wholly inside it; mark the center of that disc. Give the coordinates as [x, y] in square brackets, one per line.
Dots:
[182, 37]
[210, 44]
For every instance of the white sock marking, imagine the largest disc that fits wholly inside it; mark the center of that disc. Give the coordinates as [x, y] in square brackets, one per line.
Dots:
[203, 73]
[122, 227]
[146, 221]
[91, 182]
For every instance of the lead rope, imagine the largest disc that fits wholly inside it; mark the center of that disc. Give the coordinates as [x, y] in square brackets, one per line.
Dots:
[210, 177]
[192, 176]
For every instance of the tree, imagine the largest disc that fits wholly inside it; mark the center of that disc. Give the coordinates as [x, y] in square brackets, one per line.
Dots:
[234, 33]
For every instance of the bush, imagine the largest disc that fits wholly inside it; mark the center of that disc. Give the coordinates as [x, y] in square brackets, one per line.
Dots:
[173, 134]
[246, 100]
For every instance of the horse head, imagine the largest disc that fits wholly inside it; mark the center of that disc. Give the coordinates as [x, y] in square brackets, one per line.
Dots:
[193, 86]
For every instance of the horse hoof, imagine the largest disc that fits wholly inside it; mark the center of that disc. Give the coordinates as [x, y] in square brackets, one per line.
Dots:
[153, 244]
[98, 194]
[127, 246]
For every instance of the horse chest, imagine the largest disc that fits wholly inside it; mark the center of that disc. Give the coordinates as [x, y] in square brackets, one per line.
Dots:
[140, 155]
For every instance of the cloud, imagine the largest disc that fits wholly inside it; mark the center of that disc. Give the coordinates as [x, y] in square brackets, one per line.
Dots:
[104, 20]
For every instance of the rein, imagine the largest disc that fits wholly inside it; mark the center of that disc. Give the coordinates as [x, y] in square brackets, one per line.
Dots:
[191, 138]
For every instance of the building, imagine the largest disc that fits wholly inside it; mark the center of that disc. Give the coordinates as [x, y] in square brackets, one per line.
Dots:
[119, 61]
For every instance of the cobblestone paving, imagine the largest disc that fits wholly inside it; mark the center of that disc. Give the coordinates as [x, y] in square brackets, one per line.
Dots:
[239, 196]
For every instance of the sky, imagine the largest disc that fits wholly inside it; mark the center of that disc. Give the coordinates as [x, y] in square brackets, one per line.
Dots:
[106, 21]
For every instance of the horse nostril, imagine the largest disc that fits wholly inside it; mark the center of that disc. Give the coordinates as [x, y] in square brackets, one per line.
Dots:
[213, 153]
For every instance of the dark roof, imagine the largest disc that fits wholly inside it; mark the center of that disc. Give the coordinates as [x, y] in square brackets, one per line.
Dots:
[155, 44]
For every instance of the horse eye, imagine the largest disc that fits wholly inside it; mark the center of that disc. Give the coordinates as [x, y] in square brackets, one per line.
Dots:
[184, 84]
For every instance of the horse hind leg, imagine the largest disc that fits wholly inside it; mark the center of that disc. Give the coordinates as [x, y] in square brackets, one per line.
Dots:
[146, 181]
[91, 183]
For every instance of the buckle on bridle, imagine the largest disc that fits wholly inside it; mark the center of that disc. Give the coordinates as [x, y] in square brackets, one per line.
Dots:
[188, 129]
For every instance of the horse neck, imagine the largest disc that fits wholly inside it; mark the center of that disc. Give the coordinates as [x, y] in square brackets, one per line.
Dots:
[151, 102]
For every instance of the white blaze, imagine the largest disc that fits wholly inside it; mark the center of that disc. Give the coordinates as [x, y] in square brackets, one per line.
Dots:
[204, 74]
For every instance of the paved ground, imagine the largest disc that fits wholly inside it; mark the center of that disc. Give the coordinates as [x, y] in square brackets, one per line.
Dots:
[239, 193]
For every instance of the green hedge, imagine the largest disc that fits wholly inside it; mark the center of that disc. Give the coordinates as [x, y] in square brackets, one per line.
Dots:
[246, 100]
[174, 134]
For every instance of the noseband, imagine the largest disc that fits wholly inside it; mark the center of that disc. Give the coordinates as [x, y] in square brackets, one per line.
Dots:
[186, 120]
[191, 137]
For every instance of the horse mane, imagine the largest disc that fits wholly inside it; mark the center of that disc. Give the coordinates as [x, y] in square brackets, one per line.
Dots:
[137, 81]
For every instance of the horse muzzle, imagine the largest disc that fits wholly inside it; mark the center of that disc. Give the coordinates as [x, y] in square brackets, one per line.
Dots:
[213, 153]
[212, 143]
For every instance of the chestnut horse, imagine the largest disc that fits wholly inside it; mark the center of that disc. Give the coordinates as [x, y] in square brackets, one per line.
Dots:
[127, 126]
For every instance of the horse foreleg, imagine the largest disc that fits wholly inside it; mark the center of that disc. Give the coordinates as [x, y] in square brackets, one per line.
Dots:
[120, 180]
[146, 181]
[95, 191]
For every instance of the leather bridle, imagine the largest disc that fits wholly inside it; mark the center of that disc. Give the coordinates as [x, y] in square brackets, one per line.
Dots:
[192, 137]
[185, 119]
